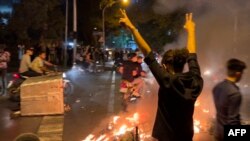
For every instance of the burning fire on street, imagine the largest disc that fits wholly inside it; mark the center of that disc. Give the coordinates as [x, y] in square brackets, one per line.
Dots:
[202, 118]
[130, 128]
[138, 123]
[122, 128]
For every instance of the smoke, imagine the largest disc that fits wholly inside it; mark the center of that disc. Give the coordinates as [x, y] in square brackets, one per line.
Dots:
[222, 32]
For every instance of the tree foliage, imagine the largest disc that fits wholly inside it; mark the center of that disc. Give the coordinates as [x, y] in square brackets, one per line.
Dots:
[36, 20]
[3, 27]
[156, 29]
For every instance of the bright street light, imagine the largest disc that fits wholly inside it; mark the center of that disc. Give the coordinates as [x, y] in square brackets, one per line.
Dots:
[103, 16]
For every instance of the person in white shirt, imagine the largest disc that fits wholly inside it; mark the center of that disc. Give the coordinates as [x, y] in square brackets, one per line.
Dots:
[25, 64]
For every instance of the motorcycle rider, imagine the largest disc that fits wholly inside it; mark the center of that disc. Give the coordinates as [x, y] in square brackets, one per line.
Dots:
[129, 70]
[141, 72]
[25, 64]
[38, 64]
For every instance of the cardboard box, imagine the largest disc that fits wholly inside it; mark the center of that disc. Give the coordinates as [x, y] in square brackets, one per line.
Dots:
[42, 95]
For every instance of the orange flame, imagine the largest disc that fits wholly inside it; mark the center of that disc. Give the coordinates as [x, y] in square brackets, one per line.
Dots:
[128, 126]
[197, 103]
[122, 130]
[101, 138]
[115, 119]
[196, 126]
[205, 111]
[134, 119]
[107, 139]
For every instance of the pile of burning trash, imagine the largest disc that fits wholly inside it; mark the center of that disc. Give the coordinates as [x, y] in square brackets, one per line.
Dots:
[138, 127]
[119, 129]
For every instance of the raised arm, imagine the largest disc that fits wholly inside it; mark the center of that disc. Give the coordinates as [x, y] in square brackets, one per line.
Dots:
[142, 44]
[190, 27]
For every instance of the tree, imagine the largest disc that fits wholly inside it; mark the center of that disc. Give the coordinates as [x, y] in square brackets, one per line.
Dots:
[162, 29]
[3, 27]
[156, 29]
[36, 20]
[89, 17]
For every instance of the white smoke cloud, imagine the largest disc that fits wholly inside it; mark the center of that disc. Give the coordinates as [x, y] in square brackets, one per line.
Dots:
[222, 27]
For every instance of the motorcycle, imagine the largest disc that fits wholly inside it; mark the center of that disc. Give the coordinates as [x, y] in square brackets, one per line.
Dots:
[14, 85]
[127, 89]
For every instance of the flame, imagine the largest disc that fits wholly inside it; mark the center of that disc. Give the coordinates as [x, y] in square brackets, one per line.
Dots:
[101, 138]
[89, 137]
[122, 130]
[205, 111]
[115, 119]
[134, 119]
[197, 103]
[196, 126]
[106, 139]
[125, 125]
[196, 129]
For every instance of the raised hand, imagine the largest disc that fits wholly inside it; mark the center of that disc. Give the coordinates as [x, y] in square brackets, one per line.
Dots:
[189, 25]
[125, 20]
[142, 44]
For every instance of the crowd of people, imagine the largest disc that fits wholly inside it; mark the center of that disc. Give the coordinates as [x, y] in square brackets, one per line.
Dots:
[89, 58]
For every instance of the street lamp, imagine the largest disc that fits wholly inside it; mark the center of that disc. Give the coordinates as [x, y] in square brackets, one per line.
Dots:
[74, 30]
[103, 16]
[66, 36]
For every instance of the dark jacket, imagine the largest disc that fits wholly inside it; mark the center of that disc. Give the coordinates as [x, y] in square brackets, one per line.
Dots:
[227, 99]
[128, 68]
[139, 69]
[176, 98]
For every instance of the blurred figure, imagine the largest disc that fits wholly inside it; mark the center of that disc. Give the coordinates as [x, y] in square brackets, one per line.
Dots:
[118, 59]
[129, 70]
[21, 51]
[227, 98]
[59, 53]
[4, 59]
[52, 51]
[140, 71]
[178, 91]
[88, 59]
[139, 75]
[38, 64]
[25, 64]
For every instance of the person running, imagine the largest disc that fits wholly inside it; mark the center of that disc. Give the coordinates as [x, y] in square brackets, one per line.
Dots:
[178, 91]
